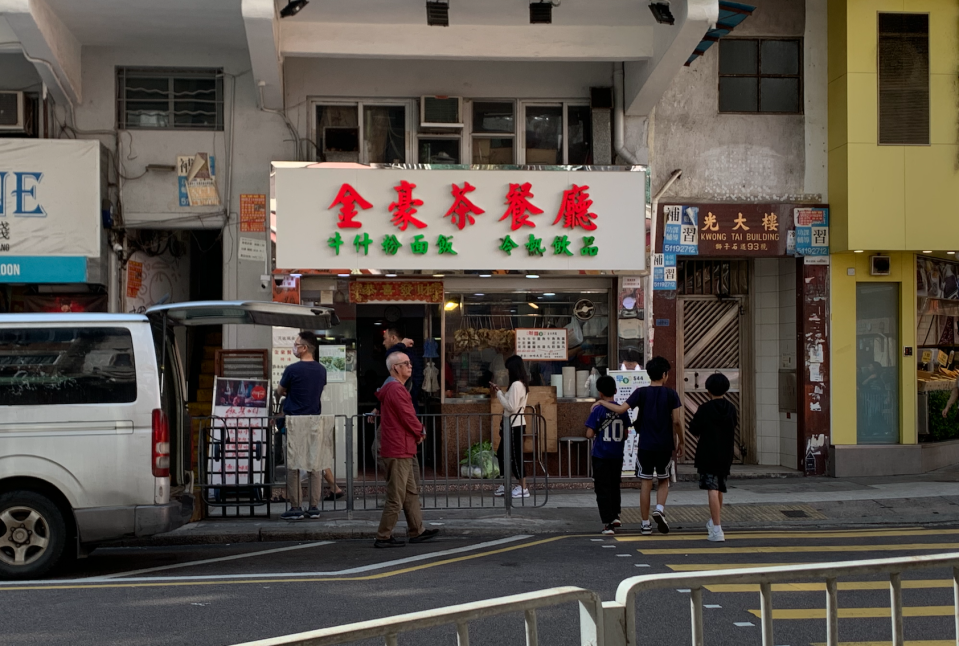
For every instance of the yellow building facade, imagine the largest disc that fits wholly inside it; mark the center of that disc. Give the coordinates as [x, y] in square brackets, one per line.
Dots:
[894, 195]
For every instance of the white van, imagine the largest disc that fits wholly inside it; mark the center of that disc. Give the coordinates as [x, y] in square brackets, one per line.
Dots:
[94, 434]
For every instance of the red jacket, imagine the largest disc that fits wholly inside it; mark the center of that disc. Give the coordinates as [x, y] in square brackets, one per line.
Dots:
[399, 426]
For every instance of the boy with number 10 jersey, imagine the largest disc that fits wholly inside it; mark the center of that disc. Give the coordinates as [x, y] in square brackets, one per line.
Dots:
[608, 431]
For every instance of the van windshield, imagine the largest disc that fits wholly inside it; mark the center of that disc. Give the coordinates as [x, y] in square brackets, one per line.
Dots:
[59, 365]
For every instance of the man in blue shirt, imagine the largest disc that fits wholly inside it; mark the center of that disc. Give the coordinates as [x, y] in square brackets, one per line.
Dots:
[302, 384]
[608, 432]
[660, 427]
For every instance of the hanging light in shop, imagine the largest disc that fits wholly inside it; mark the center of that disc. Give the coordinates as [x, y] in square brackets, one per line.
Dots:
[450, 306]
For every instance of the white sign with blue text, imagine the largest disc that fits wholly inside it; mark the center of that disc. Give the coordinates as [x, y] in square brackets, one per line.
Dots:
[626, 382]
[681, 233]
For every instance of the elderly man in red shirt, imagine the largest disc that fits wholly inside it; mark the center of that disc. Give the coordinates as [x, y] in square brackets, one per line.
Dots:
[400, 433]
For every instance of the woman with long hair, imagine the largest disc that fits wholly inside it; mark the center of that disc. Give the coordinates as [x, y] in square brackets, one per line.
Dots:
[514, 404]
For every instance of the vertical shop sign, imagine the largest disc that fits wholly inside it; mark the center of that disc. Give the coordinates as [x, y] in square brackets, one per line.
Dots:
[812, 232]
[252, 213]
[664, 271]
[681, 235]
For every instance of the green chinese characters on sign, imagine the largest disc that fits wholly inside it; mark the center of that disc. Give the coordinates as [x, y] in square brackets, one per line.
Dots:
[534, 246]
[391, 245]
[589, 249]
[419, 245]
[561, 246]
[362, 241]
[508, 245]
[335, 242]
[445, 245]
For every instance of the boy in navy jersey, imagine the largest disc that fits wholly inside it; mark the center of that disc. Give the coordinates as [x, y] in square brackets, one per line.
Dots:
[608, 431]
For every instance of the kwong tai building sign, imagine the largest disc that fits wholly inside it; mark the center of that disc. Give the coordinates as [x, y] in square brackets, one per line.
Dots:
[399, 218]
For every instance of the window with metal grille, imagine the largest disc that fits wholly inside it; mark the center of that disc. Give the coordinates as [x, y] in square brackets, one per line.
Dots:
[760, 75]
[712, 277]
[169, 99]
[903, 78]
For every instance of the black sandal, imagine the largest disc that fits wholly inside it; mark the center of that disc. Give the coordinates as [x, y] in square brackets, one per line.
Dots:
[334, 496]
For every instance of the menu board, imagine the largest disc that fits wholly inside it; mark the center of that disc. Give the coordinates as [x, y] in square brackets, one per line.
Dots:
[626, 382]
[542, 344]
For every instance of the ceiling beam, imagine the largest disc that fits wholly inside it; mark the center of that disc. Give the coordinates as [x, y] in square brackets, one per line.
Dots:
[519, 43]
[49, 45]
[260, 20]
[647, 81]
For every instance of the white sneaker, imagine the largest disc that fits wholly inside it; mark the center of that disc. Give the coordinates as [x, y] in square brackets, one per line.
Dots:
[709, 526]
[716, 535]
[500, 490]
[519, 492]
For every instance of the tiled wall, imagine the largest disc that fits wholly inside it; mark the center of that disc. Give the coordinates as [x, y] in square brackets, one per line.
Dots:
[766, 344]
[787, 351]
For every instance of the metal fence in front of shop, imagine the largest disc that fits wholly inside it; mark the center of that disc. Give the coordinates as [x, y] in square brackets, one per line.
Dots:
[241, 465]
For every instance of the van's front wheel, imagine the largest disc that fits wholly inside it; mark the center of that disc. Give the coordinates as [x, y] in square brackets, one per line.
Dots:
[32, 534]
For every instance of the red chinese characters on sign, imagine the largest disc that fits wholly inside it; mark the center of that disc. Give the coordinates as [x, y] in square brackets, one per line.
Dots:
[519, 207]
[348, 198]
[463, 207]
[574, 210]
[405, 207]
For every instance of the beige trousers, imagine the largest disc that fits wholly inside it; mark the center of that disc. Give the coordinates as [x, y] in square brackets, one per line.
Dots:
[401, 493]
[294, 490]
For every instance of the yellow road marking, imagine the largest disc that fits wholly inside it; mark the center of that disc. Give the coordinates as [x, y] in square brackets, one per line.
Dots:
[733, 535]
[705, 567]
[859, 613]
[779, 549]
[920, 584]
[318, 579]
[917, 642]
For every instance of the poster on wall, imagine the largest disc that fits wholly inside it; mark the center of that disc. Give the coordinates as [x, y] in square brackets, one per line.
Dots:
[239, 409]
[196, 180]
[812, 232]
[542, 344]
[150, 278]
[664, 271]
[626, 382]
[681, 234]
[252, 213]
[333, 358]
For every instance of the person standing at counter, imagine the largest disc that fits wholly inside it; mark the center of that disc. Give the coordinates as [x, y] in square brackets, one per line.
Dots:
[514, 403]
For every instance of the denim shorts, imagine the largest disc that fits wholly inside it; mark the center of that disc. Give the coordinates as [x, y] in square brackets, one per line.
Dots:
[709, 482]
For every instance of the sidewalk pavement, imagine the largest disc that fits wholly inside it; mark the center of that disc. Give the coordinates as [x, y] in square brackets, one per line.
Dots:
[766, 498]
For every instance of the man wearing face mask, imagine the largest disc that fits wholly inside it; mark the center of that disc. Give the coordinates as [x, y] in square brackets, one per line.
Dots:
[302, 384]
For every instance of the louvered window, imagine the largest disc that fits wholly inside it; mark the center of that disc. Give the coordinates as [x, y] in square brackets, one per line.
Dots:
[169, 99]
[903, 78]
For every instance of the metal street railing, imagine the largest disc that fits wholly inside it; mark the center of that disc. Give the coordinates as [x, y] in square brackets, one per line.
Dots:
[623, 610]
[460, 616]
[614, 623]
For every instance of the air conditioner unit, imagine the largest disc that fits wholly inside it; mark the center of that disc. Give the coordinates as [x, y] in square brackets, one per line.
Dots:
[441, 112]
[12, 115]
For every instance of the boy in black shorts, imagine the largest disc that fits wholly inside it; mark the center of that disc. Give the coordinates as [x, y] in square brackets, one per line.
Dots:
[715, 425]
[660, 428]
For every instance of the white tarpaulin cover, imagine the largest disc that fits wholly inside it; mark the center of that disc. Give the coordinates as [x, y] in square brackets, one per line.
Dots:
[578, 220]
[49, 197]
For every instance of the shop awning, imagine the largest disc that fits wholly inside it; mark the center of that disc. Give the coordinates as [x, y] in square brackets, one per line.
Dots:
[731, 14]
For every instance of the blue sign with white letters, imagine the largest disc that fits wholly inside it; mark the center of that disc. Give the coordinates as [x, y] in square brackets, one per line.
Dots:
[43, 269]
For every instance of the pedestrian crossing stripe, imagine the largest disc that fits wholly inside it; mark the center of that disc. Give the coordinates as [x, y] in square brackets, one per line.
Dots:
[859, 613]
[779, 549]
[916, 642]
[917, 584]
[804, 535]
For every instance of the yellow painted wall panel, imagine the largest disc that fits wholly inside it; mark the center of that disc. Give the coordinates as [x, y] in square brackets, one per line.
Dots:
[839, 198]
[863, 108]
[876, 197]
[843, 340]
[943, 113]
[931, 197]
[836, 39]
[838, 112]
[863, 30]
[943, 21]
